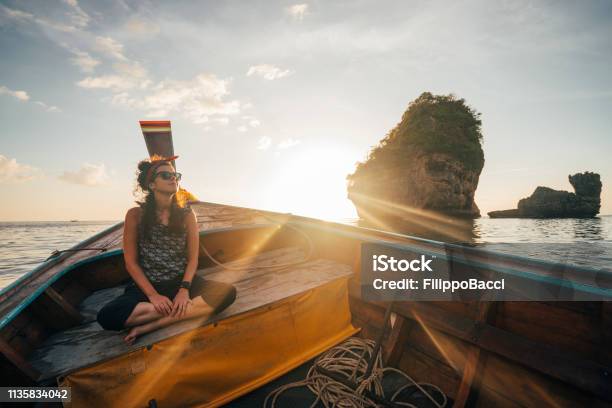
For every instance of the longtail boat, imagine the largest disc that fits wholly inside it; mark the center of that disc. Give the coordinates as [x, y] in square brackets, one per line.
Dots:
[298, 295]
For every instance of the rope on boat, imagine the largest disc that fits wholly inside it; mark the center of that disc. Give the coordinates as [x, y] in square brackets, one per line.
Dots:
[347, 360]
[275, 266]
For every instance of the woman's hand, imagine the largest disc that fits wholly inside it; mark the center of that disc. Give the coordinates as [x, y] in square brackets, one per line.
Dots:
[162, 304]
[181, 303]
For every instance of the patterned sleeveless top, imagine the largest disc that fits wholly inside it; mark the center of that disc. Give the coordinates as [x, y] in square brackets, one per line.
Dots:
[163, 257]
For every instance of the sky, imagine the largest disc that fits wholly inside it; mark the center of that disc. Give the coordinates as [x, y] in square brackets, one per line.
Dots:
[273, 103]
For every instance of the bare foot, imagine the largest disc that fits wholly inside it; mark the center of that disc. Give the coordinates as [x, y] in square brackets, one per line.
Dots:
[131, 336]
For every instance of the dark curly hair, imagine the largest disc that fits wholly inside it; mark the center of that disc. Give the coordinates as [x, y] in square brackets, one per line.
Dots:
[176, 223]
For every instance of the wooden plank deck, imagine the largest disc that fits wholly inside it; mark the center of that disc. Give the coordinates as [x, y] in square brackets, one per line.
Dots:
[88, 343]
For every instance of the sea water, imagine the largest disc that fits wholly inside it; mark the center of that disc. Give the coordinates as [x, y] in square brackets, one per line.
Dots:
[25, 244]
[582, 242]
[585, 242]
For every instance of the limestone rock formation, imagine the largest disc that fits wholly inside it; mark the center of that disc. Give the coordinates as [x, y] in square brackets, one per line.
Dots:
[430, 161]
[548, 203]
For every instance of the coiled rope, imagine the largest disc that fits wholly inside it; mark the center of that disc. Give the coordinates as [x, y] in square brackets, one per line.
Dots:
[275, 266]
[348, 360]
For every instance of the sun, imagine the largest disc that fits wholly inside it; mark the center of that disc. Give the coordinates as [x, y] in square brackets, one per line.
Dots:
[312, 182]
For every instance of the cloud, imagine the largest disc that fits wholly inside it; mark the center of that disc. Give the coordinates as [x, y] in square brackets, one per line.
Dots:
[196, 99]
[83, 60]
[21, 95]
[129, 84]
[24, 97]
[252, 120]
[222, 120]
[48, 108]
[128, 75]
[267, 71]
[110, 48]
[287, 143]
[79, 20]
[25, 17]
[142, 27]
[114, 82]
[11, 171]
[132, 88]
[78, 17]
[17, 14]
[87, 175]
[297, 11]
[131, 69]
[264, 143]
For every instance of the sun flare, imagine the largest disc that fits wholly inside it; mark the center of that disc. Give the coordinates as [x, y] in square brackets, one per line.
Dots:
[313, 183]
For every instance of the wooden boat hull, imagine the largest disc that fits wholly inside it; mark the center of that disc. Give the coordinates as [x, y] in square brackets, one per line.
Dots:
[479, 353]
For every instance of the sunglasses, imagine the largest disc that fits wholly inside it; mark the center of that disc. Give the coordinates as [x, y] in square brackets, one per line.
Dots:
[168, 175]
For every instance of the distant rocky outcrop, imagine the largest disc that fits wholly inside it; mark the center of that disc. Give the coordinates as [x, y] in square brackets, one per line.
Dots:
[548, 203]
[431, 160]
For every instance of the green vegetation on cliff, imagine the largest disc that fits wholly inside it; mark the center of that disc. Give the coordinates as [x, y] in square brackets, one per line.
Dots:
[431, 124]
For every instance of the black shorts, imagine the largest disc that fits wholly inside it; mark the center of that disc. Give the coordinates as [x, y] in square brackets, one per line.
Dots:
[218, 295]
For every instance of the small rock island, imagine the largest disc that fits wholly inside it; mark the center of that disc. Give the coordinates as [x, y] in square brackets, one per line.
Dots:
[548, 203]
[431, 160]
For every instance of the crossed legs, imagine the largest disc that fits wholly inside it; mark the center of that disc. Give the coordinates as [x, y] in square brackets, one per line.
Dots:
[144, 318]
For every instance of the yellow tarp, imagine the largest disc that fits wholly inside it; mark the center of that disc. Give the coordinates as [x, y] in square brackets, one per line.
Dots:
[214, 364]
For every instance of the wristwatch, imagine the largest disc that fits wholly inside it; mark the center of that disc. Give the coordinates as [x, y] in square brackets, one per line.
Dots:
[186, 285]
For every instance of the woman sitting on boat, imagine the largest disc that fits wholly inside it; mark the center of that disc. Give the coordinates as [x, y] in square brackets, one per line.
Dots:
[161, 246]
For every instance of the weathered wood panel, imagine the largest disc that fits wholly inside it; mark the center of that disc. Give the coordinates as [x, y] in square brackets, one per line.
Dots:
[422, 368]
[447, 339]
[559, 327]
[475, 360]
[15, 359]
